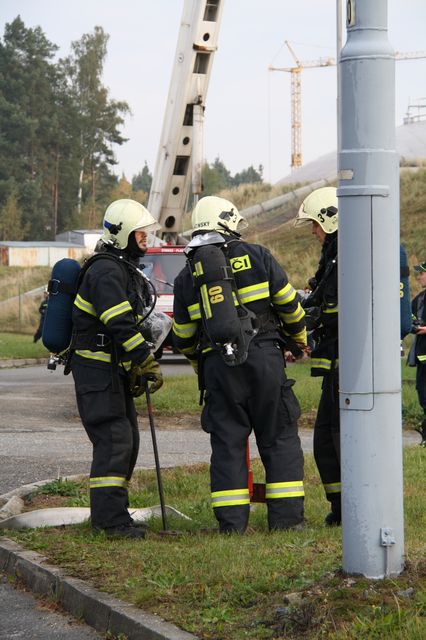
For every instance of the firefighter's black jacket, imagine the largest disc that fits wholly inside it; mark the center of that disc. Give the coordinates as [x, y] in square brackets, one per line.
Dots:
[324, 296]
[262, 286]
[418, 309]
[111, 299]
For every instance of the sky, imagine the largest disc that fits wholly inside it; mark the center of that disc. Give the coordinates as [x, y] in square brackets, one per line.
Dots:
[247, 118]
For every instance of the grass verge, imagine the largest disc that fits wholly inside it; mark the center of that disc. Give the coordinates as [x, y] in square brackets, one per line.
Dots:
[180, 394]
[258, 586]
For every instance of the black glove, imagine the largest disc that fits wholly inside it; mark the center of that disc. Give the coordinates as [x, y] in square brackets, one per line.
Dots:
[143, 372]
[312, 317]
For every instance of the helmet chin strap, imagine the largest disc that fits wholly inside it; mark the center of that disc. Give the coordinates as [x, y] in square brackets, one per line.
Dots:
[228, 230]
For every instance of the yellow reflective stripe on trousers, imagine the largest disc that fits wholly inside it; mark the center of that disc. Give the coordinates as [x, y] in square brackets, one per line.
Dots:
[84, 305]
[114, 311]
[333, 487]
[285, 295]
[421, 358]
[108, 481]
[284, 489]
[133, 342]
[230, 498]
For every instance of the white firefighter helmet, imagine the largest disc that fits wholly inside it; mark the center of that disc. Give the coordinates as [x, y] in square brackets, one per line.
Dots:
[121, 218]
[217, 214]
[320, 206]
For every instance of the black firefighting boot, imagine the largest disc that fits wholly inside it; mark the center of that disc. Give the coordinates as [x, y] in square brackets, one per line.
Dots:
[127, 531]
[334, 518]
[422, 431]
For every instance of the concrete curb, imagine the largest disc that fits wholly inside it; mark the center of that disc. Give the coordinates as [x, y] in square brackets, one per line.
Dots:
[101, 611]
[23, 362]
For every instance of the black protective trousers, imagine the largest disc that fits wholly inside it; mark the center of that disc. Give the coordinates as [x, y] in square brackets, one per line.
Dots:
[421, 385]
[327, 440]
[255, 395]
[110, 420]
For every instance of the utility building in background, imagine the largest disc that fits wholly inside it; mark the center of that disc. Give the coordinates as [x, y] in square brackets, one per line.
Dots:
[369, 330]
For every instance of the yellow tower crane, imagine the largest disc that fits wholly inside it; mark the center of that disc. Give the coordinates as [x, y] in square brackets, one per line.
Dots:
[296, 100]
[296, 94]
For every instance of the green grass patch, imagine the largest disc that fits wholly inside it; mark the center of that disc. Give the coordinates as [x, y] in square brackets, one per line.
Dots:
[261, 585]
[180, 394]
[18, 346]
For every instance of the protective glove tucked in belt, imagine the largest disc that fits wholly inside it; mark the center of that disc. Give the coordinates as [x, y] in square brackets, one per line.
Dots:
[140, 374]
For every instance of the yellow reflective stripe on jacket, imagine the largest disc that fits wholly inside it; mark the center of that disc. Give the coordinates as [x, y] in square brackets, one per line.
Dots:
[94, 355]
[198, 269]
[114, 311]
[254, 292]
[84, 305]
[206, 302]
[133, 342]
[333, 487]
[321, 363]
[294, 316]
[330, 309]
[101, 356]
[186, 330]
[285, 295]
[230, 498]
[421, 358]
[284, 489]
[300, 337]
[194, 311]
[108, 481]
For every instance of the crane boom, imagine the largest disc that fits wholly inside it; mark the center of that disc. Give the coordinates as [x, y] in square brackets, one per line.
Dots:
[296, 93]
[180, 153]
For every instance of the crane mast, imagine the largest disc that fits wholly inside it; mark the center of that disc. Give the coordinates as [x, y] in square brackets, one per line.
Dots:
[180, 154]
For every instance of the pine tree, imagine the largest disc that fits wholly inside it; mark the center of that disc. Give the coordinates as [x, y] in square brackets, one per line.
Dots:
[11, 227]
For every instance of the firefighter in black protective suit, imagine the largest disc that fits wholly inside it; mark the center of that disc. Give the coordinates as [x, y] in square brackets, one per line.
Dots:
[320, 209]
[245, 384]
[111, 362]
[418, 349]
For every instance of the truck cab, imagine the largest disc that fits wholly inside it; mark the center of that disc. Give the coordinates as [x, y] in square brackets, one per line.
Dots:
[161, 265]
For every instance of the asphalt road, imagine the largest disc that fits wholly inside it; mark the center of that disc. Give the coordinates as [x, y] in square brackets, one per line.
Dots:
[24, 616]
[41, 435]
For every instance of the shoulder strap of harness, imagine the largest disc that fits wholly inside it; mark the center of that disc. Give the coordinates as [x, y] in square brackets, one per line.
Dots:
[233, 353]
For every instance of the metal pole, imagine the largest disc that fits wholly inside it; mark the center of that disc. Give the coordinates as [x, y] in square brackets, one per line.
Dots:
[156, 457]
[370, 364]
[338, 50]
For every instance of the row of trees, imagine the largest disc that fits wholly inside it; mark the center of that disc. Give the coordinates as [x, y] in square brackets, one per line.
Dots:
[58, 130]
[58, 126]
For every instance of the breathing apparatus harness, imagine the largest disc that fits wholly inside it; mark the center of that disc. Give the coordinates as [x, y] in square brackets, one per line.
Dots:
[95, 339]
[228, 325]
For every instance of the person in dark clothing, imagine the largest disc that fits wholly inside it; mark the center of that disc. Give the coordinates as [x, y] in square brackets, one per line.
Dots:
[42, 311]
[418, 309]
[320, 209]
[111, 361]
[246, 387]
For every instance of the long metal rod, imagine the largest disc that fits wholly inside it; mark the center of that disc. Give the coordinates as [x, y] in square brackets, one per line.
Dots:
[157, 459]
